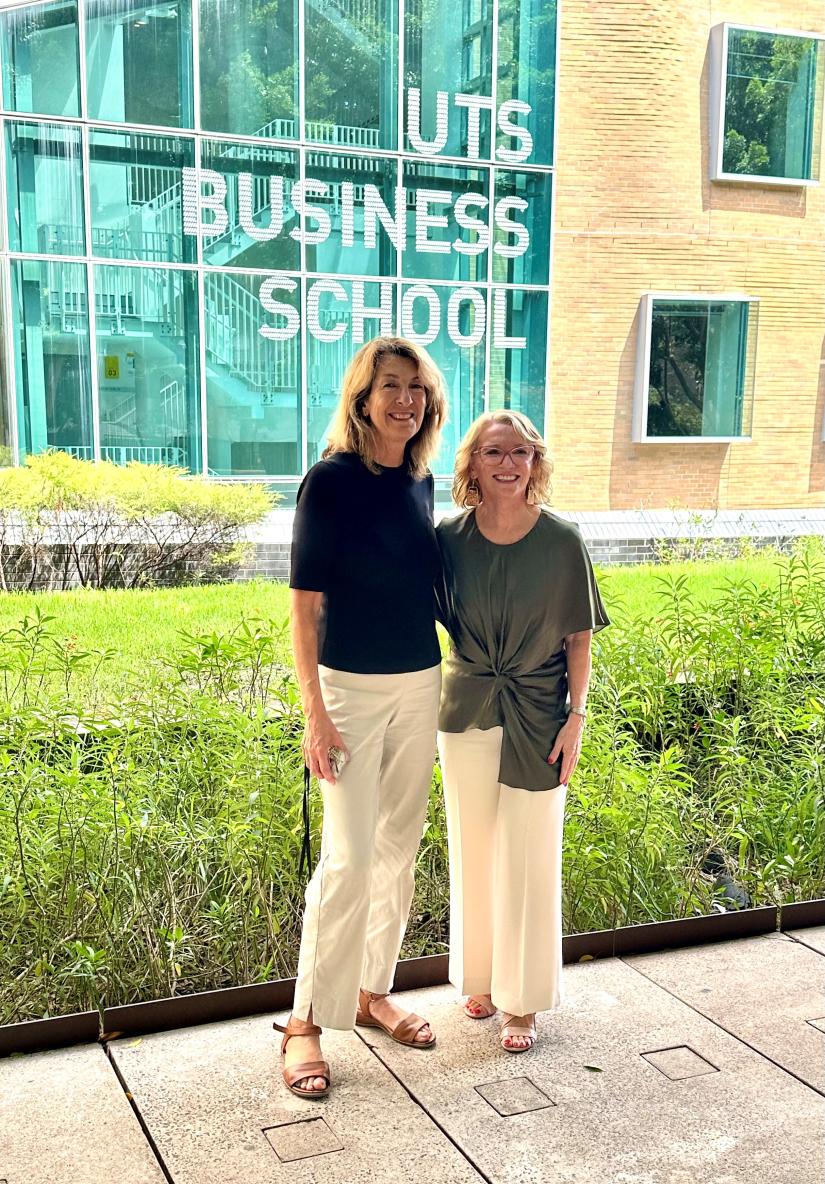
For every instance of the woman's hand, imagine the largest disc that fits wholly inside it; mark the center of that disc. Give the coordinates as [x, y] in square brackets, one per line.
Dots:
[568, 746]
[320, 735]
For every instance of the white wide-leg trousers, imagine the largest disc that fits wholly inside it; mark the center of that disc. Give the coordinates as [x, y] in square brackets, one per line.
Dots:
[358, 899]
[505, 877]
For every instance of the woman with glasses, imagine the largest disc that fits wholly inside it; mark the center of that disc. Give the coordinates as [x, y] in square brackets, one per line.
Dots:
[520, 603]
[364, 563]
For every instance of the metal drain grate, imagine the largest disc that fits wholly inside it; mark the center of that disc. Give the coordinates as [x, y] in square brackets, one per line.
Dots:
[514, 1095]
[679, 1062]
[301, 1140]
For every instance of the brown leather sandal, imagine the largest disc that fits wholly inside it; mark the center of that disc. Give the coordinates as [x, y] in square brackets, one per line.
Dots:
[405, 1030]
[306, 1068]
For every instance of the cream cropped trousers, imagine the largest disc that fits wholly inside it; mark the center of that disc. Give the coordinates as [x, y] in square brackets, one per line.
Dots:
[505, 877]
[358, 899]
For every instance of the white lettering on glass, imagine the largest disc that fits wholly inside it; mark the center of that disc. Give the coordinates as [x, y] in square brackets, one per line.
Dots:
[420, 292]
[334, 331]
[361, 312]
[196, 202]
[478, 317]
[442, 121]
[522, 153]
[278, 308]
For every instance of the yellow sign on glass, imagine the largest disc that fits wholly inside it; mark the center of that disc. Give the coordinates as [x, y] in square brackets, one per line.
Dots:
[111, 366]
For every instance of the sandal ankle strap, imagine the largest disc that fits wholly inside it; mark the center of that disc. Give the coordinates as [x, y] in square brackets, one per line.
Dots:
[309, 1030]
[373, 994]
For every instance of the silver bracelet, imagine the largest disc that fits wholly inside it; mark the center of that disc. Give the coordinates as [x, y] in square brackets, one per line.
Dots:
[582, 711]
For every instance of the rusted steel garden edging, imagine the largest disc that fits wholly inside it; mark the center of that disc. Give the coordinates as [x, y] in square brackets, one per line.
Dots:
[158, 1015]
[802, 914]
[82, 1027]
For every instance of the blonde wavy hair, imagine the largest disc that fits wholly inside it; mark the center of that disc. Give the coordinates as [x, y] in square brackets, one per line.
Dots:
[538, 487]
[351, 432]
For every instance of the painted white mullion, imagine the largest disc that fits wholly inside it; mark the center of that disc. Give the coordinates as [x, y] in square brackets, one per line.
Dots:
[200, 274]
[7, 328]
[556, 75]
[195, 25]
[344, 150]
[494, 82]
[93, 359]
[303, 393]
[82, 50]
[9, 350]
[548, 366]
[201, 280]
[91, 316]
[492, 174]
[302, 136]
[400, 191]
[90, 290]
[153, 265]
[399, 81]
[91, 312]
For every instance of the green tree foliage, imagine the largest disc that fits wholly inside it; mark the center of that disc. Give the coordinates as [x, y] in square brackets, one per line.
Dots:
[763, 73]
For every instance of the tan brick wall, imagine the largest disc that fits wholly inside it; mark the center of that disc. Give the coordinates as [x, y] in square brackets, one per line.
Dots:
[635, 212]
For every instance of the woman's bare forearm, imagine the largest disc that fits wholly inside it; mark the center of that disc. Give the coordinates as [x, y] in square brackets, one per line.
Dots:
[304, 615]
[320, 733]
[577, 647]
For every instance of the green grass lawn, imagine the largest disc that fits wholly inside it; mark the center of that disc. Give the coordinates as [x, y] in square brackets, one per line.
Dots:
[140, 625]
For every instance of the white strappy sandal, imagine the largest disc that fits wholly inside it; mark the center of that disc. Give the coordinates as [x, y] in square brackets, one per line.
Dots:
[487, 1006]
[509, 1029]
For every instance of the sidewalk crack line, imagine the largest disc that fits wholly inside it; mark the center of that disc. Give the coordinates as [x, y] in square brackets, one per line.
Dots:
[464, 1154]
[144, 1126]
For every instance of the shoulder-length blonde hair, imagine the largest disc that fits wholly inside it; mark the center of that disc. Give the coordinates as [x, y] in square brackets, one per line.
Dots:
[351, 432]
[538, 487]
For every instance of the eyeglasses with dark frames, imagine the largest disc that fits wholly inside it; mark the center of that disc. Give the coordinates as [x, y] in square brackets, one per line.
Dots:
[490, 454]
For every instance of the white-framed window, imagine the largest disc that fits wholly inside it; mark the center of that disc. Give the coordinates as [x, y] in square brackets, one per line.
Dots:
[695, 367]
[766, 105]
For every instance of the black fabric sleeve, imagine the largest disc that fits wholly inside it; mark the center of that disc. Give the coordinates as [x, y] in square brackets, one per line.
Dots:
[312, 554]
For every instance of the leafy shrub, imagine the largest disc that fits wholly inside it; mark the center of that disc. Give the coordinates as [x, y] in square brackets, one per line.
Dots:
[65, 521]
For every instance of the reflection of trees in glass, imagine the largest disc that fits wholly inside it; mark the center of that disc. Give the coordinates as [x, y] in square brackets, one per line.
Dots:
[769, 90]
[677, 375]
[351, 50]
[527, 53]
[248, 64]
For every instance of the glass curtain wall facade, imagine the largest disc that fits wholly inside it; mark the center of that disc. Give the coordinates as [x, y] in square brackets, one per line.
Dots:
[208, 206]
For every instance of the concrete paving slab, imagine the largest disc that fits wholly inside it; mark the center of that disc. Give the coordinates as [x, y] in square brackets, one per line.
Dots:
[762, 989]
[813, 937]
[219, 1113]
[616, 1119]
[64, 1119]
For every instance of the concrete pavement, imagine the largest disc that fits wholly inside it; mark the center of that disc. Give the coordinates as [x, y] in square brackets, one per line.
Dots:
[696, 1065]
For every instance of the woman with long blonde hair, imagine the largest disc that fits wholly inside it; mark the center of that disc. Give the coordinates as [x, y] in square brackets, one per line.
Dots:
[364, 563]
[520, 603]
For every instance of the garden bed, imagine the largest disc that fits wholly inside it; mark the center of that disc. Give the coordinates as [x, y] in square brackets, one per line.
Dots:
[150, 822]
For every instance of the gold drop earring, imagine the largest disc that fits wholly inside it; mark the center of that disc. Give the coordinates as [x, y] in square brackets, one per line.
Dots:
[473, 493]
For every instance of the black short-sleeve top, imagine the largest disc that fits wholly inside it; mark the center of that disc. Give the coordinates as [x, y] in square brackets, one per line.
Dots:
[367, 541]
[508, 608]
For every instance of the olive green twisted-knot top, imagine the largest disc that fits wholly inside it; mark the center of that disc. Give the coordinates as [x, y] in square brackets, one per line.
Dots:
[508, 608]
